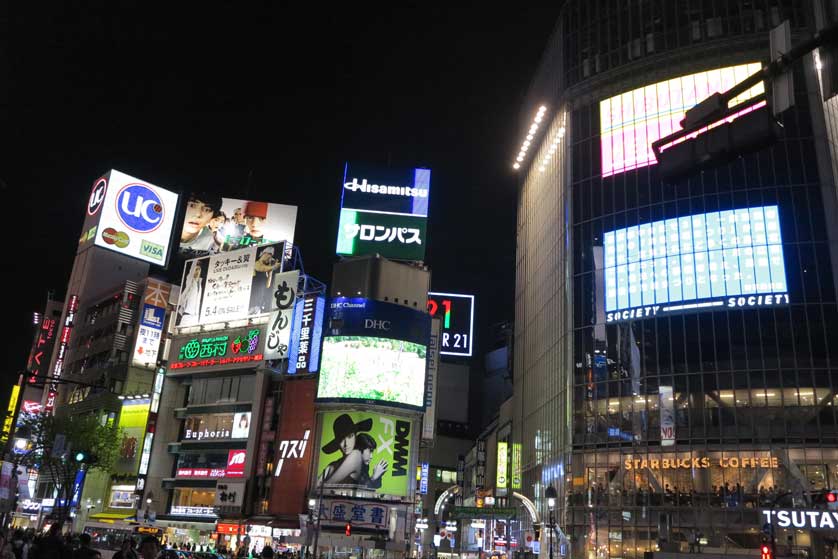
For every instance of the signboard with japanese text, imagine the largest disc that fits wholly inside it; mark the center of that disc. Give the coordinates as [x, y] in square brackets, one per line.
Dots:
[133, 419]
[366, 450]
[42, 348]
[361, 514]
[235, 348]
[63, 343]
[424, 473]
[502, 475]
[148, 335]
[306, 335]
[457, 314]
[481, 464]
[431, 372]
[9, 419]
[374, 351]
[384, 211]
[282, 314]
[295, 447]
[229, 496]
[213, 224]
[231, 285]
[131, 217]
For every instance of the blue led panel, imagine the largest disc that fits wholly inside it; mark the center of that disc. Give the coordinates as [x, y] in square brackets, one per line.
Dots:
[732, 258]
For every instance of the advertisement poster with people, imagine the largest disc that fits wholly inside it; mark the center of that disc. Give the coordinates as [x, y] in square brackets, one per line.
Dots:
[212, 224]
[365, 450]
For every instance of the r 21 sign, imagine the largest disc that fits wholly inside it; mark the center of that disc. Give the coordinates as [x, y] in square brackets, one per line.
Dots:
[456, 313]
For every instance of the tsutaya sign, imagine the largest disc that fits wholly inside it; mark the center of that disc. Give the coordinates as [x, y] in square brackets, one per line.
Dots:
[700, 463]
[802, 518]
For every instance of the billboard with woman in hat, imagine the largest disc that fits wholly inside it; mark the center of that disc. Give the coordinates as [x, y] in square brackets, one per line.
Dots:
[365, 450]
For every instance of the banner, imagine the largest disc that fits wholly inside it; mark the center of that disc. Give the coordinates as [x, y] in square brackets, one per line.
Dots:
[284, 295]
[365, 450]
[132, 422]
[431, 372]
[667, 410]
[501, 479]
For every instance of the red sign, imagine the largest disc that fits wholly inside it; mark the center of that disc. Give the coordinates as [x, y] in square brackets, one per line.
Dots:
[30, 407]
[224, 528]
[200, 472]
[235, 463]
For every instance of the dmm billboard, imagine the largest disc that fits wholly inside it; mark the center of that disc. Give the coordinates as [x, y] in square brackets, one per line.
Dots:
[366, 450]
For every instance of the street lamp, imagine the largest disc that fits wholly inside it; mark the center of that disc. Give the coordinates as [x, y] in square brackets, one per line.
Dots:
[551, 495]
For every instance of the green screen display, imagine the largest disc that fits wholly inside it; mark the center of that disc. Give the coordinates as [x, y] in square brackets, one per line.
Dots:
[365, 368]
[402, 237]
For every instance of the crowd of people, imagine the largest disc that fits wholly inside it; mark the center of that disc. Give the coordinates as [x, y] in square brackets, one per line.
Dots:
[725, 496]
[53, 544]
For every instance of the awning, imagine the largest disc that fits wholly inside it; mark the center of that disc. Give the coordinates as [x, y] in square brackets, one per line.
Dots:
[110, 517]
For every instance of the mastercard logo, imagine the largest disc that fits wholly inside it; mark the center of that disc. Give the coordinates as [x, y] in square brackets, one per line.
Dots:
[119, 239]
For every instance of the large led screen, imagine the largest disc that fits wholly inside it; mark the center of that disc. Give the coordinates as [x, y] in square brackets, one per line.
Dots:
[632, 121]
[384, 211]
[374, 351]
[365, 450]
[381, 369]
[732, 258]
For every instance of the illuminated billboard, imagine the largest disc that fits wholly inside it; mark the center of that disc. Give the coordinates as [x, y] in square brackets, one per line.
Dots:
[150, 328]
[365, 450]
[133, 420]
[632, 121]
[732, 258]
[213, 224]
[42, 347]
[234, 348]
[384, 212]
[306, 335]
[374, 351]
[131, 217]
[233, 285]
[457, 314]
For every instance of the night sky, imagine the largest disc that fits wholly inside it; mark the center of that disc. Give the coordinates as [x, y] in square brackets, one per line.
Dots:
[266, 100]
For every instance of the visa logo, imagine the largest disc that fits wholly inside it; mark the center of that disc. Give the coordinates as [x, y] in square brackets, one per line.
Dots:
[151, 250]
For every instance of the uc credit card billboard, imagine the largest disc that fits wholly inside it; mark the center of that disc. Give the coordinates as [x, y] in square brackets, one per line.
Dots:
[384, 211]
[365, 450]
[374, 351]
[130, 216]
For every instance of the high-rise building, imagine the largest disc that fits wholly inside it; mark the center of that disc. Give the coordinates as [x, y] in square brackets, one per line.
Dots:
[673, 374]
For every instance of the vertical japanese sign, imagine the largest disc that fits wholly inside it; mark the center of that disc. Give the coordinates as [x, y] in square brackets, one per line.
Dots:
[306, 335]
[282, 311]
[461, 478]
[38, 364]
[9, 420]
[423, 478]
[667, 411]
[481, 464]
[502, 477]
[63, 343]
[152, 318]
[431, 372]
[516, 466]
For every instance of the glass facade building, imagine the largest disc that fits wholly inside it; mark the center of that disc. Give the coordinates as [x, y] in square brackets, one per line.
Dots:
[676, 343]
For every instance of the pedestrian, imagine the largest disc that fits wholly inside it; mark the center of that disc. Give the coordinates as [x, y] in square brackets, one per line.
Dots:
[127, 550]
[149, 548]
[85, 551]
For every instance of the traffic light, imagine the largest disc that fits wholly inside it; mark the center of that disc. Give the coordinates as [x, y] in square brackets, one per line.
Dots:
[348, 530]
[81, 457]
[832, 500]
[765, 551]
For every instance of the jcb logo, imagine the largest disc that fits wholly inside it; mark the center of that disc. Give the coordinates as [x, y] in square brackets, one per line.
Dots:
[139, 207]
[237, 458]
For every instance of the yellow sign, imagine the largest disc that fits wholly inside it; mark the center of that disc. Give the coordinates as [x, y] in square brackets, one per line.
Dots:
[501, 479]
[10, 414]
[699, 463]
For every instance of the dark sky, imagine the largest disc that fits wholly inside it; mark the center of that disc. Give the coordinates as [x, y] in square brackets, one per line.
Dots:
[266, 100]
